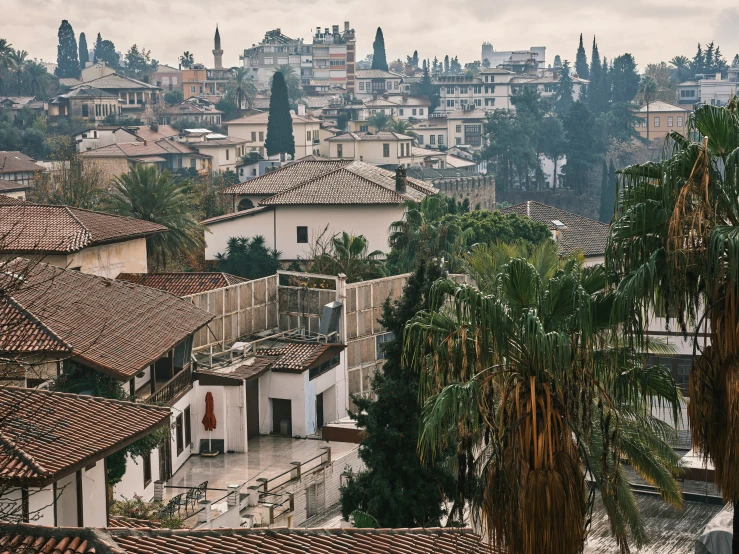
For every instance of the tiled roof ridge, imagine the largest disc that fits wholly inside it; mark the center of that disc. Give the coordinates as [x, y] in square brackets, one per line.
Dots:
[90, 398]
[530, 202]
[85, 231]
[30, 315]
[326, 531]
[285, 167]
[266, 201]
[12, 448]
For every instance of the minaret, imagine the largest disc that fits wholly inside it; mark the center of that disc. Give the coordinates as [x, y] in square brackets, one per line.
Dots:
[217, 52]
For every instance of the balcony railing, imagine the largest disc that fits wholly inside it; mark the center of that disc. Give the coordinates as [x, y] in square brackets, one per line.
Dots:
[172, 388]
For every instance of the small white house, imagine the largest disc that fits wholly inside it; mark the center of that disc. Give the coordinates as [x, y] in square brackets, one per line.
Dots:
[291, 206]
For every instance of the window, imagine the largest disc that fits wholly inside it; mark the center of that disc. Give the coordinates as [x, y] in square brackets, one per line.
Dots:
[490, 89]
[432, 139]
[687, 94]
[490, 101]
[463, 90]
[226, 154]
[656, 121]
[478, 102]
[379, 341]
[420, 111]
[450, 103]
[385, 150]
[309, 135]
[679, 121]
[315, 134]
[669, 121]
[178, 435]
[477, 90]
[486, 79]
[261, 136]
[302, 235]
[324, 367]
[458, 140]
[361, 85]
[340, 150]
[459, 128]
[441, 140]
[85, 110]
[314, 499]
[193, 89]
[192, 163]
[414, 111]
[420, 139]
[188, 429]
[254, 136]
[147, 468]
[396, 84]
[363, 128]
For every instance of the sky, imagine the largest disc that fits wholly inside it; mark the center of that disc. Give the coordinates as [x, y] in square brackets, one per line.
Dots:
[651, 30]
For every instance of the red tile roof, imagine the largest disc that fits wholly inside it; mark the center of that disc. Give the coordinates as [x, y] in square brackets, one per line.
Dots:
[48, 435]
[113, 326]
[11, 186]
[8, 201]
[303, 541]
[62, 229]
[183, 284]
[285, 177]
[20, 330]
[37, 539]
[297, 356]
[17, 162]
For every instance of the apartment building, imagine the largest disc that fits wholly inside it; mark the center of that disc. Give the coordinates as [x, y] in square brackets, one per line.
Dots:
[377, 81]
[709, 89]
[536, 54]
[276, 49]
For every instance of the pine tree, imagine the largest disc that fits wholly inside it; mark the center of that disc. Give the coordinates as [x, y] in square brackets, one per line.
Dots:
[607, 192]
[414, 59]
[446, 64]
[625, 78]
[581, 62]
[67, 59]
[564, 91]
[379, 59]
[595, 92]
[606, 85]
[84, 54]
[427, 89]
[396, 488]
[280, 139]
[97, 50]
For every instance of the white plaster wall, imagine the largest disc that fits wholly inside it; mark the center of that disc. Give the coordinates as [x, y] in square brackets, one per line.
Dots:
[262, 223]
[236, 419]
[66, 507]
[93, 496]
[287, 386]
[41, 506]
[108, 260]
[133, 480]
[178, 408]
[329, 404]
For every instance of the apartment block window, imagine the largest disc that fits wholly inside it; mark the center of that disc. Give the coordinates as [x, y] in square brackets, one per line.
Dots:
[396, 84]
[188, 428]
[486, 79]
[450, 90]
[315, 134]
[679, 121]
[420, 139]
[361, 85]
[420, 111]
[459, 128]
[261, 136]
[477, 90]
[178, 434]
[363, 128]
[441, 140]
[656, 121]
[478, 102]
[450, 103]
[254, 136]
[463, 90]
[669, 122]
[146, 463]
[400, 111]
[432, 139]
[226, 154]
[302, 235]
[85, 110]
[458, 140]
[192, 163]
[464, 102]
[309, 135]
[193, 89]
[385, 150]
[490, 101]
[340, 150]
[379, 341]
[414, 111]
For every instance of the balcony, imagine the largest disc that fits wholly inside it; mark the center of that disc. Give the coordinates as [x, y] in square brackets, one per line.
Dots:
[165, 392]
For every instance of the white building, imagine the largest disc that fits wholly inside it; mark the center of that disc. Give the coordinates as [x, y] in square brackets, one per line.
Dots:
[403, 106]
[290, 207]
[709, 89]
[370, 81]
[497, 57]
[382, 148]
[253, 130]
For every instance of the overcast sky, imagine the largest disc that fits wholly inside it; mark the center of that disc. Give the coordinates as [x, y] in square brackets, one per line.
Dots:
[652, 30]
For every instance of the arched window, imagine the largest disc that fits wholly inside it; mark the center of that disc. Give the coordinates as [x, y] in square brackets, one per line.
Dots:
[245, 204]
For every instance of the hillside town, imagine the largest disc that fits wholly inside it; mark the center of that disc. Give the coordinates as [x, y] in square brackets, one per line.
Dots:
[305, 297]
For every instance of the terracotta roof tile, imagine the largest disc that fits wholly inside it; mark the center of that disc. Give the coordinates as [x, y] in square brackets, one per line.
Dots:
[40, 228]
[47, 435]
[296, 356]
[578, 234]
[114, 326]
[183, 284]
[9, 201]
[285, 177]
[120, 522]
[37, 539]
[8, 186]
[20, 330]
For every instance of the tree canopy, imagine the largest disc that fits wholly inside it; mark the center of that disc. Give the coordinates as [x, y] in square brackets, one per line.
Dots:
[379, 58]
[280, 139]
[67, 57]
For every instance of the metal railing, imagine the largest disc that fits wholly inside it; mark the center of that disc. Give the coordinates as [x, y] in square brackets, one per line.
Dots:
[172, 388]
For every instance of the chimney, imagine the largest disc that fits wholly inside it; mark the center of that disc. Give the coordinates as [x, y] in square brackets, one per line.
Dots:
[301, 109]
[335, 29]
[279, 31]
[401, 180]
[346, 26]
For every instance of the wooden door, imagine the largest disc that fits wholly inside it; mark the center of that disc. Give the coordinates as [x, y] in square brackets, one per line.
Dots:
[252, 408]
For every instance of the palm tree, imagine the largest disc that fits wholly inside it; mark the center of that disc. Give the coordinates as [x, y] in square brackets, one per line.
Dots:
[647, 90]
[187, 60]
[17, 60]
[36, 79]
[249, 258]
[5, 49]
[379, 121]
[158, 197]
[403, 127]
[240, 89]
[292, 80]
[674, 244]
[349, 254]
[526, 379]
[680, 68]
[423, 233]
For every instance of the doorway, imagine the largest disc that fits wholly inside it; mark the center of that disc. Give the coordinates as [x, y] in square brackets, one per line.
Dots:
[252, 408]
[282, 417]
[319, 412]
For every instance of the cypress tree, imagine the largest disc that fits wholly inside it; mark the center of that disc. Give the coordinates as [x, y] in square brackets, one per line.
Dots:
[67, 60]
[581, 62]
[565, 91]
[98, 49]
[446, 63]
[84, 54]
[595, 89]
[280, 137]
[379, 59]
[396, 488]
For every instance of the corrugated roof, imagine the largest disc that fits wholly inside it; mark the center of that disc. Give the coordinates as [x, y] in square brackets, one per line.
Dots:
[47, 435]
[578, 234]
[183, 284]
[40, 228]
[113, 326]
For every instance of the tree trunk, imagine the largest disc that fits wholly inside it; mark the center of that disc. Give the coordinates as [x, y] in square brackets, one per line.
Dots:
[554, 183]
[735, 530]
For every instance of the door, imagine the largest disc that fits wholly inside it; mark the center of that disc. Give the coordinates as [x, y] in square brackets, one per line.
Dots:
[252, 408]
[282, 417]
[319, 412]
[165, 466]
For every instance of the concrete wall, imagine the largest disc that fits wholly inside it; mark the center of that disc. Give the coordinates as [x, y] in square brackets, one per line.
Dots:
[109, 167]
[109, 260]
[286, 386]
[179, 408]
[240, 310]
[371, 151]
